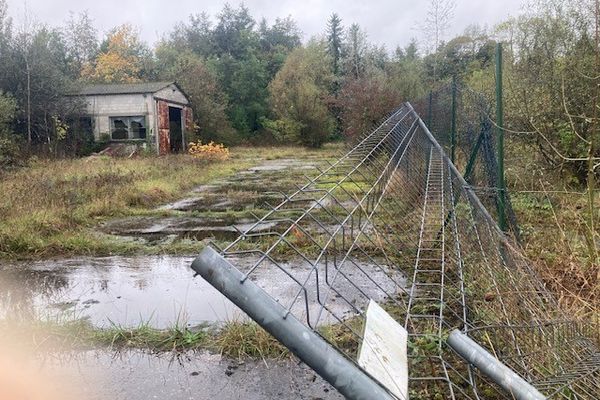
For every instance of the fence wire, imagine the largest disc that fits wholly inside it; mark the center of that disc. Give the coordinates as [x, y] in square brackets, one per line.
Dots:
[474, 142]
[394, 221]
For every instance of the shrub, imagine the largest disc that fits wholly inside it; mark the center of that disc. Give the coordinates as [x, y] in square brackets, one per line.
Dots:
[210, 151]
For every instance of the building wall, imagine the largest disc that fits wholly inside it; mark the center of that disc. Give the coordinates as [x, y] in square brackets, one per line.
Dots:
[102, 107]
[173, 94]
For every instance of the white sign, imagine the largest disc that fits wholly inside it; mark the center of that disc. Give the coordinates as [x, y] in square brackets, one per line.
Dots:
[383, 351]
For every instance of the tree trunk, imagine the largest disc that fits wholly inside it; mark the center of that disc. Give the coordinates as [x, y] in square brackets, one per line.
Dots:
[28, 72]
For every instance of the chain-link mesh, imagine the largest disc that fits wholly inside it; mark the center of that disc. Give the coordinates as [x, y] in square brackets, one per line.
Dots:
[394, 221]
[474, 141]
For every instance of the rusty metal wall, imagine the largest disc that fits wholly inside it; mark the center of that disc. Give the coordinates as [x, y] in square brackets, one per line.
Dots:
[164, 144]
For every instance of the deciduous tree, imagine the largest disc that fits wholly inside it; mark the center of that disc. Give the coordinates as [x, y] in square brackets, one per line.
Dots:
[299, 96]
[123, 58]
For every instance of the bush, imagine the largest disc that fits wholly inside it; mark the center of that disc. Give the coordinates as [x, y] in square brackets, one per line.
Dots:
[9, 152]
[299, 97]
[210, 151]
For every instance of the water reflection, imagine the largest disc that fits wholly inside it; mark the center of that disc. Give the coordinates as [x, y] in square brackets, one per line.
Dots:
[112, 290]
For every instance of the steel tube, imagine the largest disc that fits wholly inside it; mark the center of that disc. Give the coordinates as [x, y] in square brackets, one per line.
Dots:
[309, 347]
[505, 377]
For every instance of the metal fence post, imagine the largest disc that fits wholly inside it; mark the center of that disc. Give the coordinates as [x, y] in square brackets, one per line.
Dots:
[313, 350]
[490, 366]
[500, 140]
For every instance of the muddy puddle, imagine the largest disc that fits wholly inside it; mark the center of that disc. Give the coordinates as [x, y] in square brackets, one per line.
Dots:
[160, 291]
[157, 229]
[132, 375]
[219, 210]
[126, 291]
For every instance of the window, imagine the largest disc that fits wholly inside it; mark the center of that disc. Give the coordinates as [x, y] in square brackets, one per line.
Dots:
[124, 128]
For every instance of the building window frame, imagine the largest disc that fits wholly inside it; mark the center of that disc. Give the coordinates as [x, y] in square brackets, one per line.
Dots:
[129, 127]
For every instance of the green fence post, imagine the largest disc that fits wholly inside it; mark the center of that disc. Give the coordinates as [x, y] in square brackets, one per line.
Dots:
[453, 123]
[500, 140]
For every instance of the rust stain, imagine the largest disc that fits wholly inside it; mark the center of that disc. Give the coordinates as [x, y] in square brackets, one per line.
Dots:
[164, 145]
[189, 120]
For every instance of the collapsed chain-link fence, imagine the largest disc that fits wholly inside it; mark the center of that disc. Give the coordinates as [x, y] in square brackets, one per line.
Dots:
[472, 146]
[393, 220]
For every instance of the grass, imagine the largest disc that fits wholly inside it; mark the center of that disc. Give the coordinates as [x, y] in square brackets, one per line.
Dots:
[234, 339]
[246, 339]
[552, 212]
[79, 333]
[48, 208]
[52, 207]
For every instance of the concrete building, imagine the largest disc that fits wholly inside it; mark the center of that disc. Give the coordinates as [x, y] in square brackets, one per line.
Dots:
[151, 114]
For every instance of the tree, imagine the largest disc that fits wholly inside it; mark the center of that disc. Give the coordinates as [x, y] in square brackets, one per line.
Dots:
[81, 41]
[554, 92]
[299, 95]
[195, 36]
[38, 78]
[244, 58]
[437, 21]
[276, 42]
[356, 49]
[233, 35]
[123, 58]
[364, 101]
[200, 84]
[7, 113]
[242, 73]
[335, 39]
[8, 148]
[405, 73]
[459, 57]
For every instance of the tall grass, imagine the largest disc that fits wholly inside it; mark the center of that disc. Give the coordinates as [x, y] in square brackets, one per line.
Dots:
[551, 208]
[47, 208]
[50, 208]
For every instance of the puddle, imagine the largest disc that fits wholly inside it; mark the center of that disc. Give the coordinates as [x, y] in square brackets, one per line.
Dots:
[120, 290]
[132, 375]
[156, 229]
[161, 291]
[282, 164]
[336, 296]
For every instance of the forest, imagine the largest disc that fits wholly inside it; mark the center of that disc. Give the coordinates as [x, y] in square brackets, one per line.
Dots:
[249, 80]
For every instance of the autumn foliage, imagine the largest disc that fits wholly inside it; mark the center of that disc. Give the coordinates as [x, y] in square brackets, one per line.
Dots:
[211, 151]
[119, 61]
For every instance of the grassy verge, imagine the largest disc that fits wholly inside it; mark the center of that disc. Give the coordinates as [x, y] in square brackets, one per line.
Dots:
[51, 207]
[233, 339]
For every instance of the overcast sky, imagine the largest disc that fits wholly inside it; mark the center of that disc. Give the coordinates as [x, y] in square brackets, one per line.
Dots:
[389, 22]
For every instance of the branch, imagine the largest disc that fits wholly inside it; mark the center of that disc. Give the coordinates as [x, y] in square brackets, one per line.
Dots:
[569, 115]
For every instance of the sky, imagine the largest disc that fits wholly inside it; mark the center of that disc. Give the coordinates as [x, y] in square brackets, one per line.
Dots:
[387, 22]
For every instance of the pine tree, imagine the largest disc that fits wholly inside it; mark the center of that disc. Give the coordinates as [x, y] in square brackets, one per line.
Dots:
[335, 32]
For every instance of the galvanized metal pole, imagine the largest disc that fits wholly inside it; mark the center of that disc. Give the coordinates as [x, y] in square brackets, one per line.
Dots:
[453, 123]
[505, 377]
[500, 140]
[324, 359]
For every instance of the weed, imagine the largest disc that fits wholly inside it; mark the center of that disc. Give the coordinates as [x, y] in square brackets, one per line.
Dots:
[247, 339]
